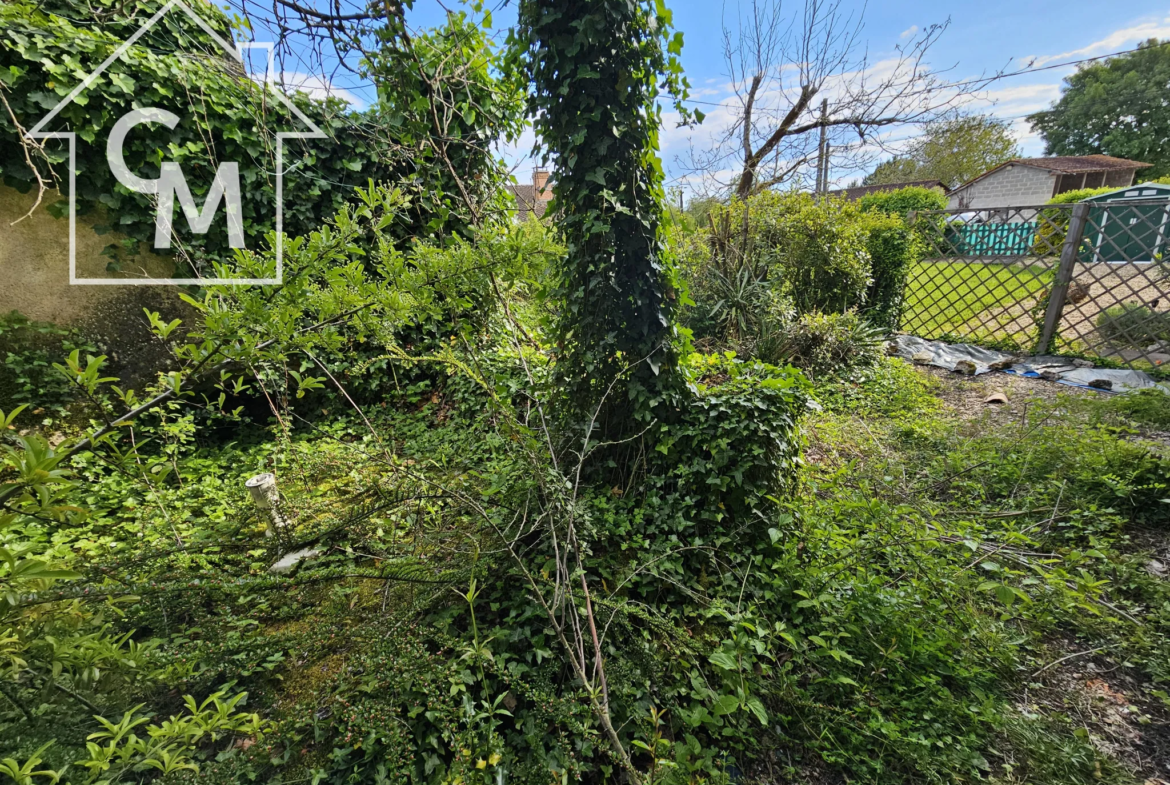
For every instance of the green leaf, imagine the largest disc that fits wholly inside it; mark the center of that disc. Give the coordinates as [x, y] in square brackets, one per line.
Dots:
[1005, 594]
[724, 661]
[725, 704]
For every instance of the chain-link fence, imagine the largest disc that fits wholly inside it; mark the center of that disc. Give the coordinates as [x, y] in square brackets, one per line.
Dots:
[1087, 278]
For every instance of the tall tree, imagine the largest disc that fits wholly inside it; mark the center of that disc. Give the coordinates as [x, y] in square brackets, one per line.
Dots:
[953, 150]
[1116, 107]
[597, 68]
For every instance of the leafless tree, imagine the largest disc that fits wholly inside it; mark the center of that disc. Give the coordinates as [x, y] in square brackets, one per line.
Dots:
[804, 73]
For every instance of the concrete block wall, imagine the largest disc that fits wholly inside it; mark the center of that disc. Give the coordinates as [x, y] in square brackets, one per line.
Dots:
[1011, 186]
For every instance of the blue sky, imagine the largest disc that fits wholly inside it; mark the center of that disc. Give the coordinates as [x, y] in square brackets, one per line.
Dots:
[983, 37]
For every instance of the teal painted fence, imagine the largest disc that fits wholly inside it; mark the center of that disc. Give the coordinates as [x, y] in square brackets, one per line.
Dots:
[999, 239]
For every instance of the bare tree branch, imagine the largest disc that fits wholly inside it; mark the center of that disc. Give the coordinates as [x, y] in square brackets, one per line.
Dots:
[780, 58]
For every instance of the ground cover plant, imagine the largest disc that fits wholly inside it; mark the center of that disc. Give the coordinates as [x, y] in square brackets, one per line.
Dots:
[890, 610]
[527, 526]
[1132, 323]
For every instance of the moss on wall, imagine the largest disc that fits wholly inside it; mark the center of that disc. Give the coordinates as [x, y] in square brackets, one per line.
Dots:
[34, 280]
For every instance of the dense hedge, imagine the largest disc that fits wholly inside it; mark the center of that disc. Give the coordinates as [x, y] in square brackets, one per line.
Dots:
[893, 248]
[48, 48]
[903, 201]
[827, 256]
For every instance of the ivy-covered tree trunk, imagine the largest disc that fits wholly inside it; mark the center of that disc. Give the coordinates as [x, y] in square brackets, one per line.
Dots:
[596, 66]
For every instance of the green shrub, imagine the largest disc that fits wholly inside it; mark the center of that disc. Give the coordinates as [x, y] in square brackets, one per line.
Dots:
[818, 248]
[1149, 408]
[1079, 195]
[819, 343]
[1052, 225]
[818, 256]
[1133, 323]
[732, 445]
[51, 44]
[903, 201]
[893, 248]
[29, 349]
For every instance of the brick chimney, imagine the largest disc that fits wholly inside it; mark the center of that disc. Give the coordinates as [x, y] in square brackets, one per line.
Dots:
[540, 183]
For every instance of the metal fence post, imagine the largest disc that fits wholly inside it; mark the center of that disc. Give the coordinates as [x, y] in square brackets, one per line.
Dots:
[1064, 273]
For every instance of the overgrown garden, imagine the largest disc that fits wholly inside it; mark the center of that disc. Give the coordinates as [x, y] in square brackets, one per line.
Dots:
[633, 495]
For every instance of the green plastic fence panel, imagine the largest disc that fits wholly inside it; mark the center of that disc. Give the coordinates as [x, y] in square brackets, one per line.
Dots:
[1000, 239]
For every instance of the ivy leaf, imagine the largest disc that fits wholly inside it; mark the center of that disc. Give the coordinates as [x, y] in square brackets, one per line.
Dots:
[122, 82]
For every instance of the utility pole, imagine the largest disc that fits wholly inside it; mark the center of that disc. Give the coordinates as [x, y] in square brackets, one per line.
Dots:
[825, 169]
[822, 149]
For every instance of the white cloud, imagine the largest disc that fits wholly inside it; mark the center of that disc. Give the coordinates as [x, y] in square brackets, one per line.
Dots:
[1010, 99]
[1029, 92]
[518, 156]
[318, 87]
[1016, 101]
[1115, 41]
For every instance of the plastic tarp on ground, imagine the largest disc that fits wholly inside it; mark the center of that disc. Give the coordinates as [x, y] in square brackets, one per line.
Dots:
[1061, 369]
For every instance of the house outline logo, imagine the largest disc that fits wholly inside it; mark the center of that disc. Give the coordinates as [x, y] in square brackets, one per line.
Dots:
[236, 52]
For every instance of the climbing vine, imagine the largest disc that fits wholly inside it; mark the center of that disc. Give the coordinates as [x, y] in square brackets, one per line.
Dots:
[598, 69]
[226, 116]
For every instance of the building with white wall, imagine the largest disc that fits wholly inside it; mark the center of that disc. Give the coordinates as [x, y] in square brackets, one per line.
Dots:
[1025, 182]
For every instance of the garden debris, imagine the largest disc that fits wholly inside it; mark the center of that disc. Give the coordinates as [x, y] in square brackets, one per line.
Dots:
[1074, 372]
[998, 396]
[289, 561]
[946, 356]
[1120, 380]
[965, 367]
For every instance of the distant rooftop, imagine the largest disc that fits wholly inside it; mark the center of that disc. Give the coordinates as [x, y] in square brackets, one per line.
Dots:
[529, 201]
[1075, 164]
[1066, 164]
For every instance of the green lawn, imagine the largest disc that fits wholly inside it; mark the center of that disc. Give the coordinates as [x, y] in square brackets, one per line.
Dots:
[976, 299]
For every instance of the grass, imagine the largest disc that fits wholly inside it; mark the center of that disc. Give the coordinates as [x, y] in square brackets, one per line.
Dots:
[973, 299]
[905, 502]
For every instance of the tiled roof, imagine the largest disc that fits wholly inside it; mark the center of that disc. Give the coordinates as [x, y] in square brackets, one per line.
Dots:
[1075, 164]
[853, 194]
[526, 201]
[1066, 164]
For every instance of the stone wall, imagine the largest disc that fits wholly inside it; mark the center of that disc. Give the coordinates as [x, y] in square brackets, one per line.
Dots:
[1013, 185]
[34, 280]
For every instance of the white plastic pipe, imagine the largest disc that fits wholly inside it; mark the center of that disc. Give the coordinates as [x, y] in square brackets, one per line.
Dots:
[262, 488]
